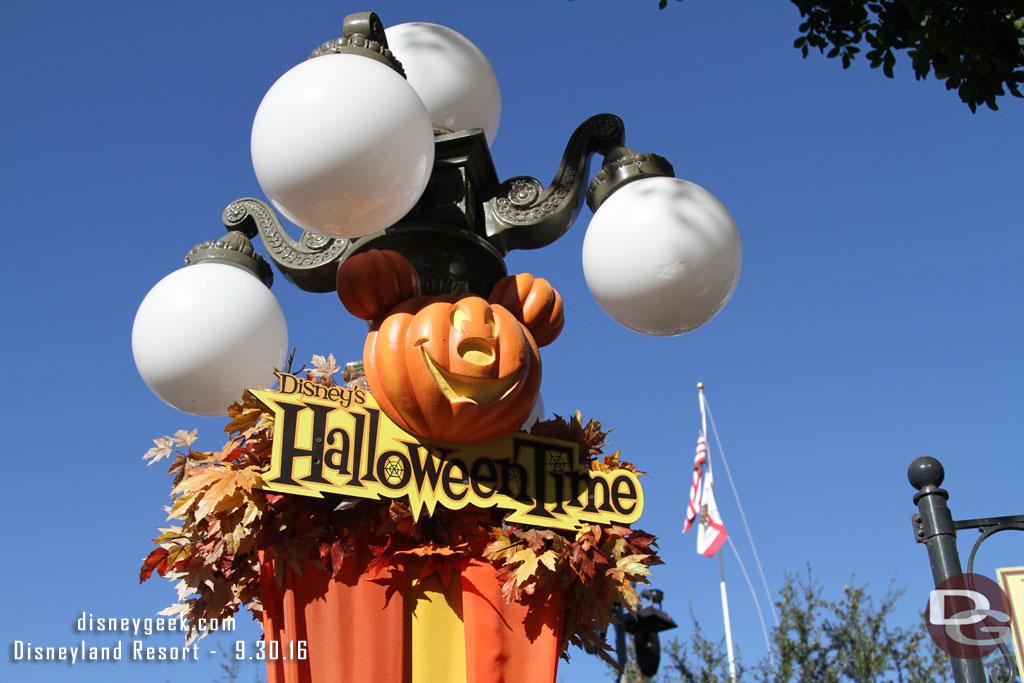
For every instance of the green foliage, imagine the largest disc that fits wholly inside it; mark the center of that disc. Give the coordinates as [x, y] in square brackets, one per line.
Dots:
[232, 671]
[850, 640]
[975, 46]
[698, 661]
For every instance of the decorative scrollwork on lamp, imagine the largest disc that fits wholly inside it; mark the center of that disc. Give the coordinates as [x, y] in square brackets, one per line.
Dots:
[465, 221]
[526, 215]
[310, 264]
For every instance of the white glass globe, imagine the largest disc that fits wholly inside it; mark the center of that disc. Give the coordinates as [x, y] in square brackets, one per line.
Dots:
[342, 145]
[662, 256]
[451, 75]
[206, 332]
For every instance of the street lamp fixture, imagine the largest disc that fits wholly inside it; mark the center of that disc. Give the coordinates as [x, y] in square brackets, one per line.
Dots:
[361, 157]
[645, 627]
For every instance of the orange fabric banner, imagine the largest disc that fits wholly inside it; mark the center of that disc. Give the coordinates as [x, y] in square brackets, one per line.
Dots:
[353, 627]
[393, 628]
[508, 642]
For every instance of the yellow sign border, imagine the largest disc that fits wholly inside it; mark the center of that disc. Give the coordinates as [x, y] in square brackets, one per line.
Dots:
[1011, 580]
[335, 440]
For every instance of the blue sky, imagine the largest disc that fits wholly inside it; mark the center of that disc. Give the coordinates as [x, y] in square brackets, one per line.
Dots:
[877, 318]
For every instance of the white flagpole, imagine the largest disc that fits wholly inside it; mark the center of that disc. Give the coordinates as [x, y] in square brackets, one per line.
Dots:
[703, 412]
[728, 626]
[721, 567]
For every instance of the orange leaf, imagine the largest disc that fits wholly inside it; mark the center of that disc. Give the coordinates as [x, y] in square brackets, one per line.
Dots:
[428, 549]
[157, 559]
[223, 487]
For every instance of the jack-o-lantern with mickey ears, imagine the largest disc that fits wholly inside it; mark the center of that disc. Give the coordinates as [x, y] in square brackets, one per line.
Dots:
[454, 368]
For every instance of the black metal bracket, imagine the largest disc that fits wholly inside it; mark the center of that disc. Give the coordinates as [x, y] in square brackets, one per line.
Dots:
[526, 215]
[988, 526]
[311, 264]
[466, 220]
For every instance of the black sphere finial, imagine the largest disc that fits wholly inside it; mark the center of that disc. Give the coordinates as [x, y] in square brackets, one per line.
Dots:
[925, 471]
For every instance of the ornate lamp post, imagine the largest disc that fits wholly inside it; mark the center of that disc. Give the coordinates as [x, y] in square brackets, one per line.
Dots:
[403, 213]
[413, 173]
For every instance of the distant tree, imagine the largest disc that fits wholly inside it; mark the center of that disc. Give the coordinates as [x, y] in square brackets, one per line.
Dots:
[232, 667]
[975, 46]
[851, 640]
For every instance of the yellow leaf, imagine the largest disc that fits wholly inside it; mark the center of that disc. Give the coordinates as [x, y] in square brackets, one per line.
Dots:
[237, 538]
[528, 568]
[629, 596]
[182, 504]
[252, 513]
[169, 534]
[501, 548]
[223, 487]
[549, 559]
[228, 501]
[183, 438]
[178, 553]
[629, 569]
[197, 479]
[634, 565]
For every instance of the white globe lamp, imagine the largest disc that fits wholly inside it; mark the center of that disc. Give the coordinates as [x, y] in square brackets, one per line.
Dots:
[451, 75]
[205, 333]
[661, 255]
[342, 145]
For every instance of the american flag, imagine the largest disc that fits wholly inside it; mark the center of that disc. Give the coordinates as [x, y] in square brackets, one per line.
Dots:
[693, 507]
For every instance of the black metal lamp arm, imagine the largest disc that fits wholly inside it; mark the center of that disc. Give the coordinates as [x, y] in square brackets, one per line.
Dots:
[466, 221]
[526, 215]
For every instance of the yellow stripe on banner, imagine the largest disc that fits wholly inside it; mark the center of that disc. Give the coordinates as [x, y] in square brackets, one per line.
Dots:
[437, 632]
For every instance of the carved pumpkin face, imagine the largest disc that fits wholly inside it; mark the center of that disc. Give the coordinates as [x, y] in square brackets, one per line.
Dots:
[455, 369]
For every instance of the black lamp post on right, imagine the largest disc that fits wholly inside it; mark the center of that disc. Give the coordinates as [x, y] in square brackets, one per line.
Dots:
[934, 526]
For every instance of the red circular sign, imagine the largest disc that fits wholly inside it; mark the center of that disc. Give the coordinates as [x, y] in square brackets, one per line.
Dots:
[965, 616]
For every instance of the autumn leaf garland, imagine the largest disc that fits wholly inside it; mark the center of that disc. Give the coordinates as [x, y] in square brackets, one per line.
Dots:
[223, 525]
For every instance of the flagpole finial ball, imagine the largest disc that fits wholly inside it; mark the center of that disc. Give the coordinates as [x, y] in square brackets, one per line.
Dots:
[700, 386]
[924, 472]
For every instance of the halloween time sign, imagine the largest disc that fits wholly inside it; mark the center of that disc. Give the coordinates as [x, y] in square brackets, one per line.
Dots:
[336, 440]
